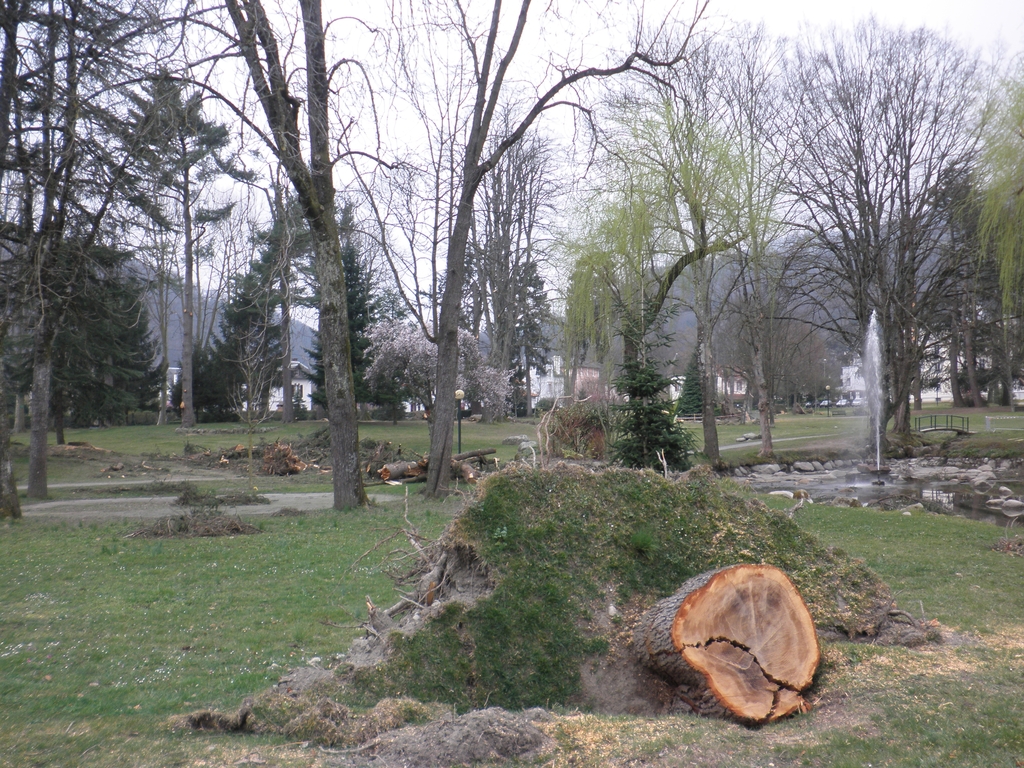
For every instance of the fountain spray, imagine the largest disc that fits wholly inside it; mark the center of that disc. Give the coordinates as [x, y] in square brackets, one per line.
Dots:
[873, 382]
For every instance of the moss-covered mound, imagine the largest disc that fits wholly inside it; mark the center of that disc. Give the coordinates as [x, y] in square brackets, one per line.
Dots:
[562, 545]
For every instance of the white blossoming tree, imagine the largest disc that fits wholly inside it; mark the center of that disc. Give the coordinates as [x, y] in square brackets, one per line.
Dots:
[401, 354]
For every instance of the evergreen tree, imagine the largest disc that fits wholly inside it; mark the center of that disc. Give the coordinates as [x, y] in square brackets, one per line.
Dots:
[648, 428]
[183, 153]
[691, 401]
[362, 313]
[103, 363]
[212, 398]
[248, 354]
[103, 353]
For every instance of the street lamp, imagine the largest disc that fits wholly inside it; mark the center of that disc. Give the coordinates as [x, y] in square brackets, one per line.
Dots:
[459, 394]
[828, 398]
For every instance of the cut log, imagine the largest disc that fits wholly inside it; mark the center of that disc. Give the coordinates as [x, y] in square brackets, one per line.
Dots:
[463, 470]
[474, 454]
[742, 634]
[399, 469]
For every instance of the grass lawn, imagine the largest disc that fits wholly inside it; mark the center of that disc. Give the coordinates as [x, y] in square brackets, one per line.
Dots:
[163, 447]
[103, 639]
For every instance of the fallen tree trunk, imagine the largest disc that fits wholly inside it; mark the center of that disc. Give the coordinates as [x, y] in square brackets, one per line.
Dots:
[737, 641]
[399, 469]
[463, 470]
[474, 454]
[411, 471]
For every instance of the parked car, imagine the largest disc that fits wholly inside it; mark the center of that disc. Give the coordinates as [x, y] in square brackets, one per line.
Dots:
[842, 402]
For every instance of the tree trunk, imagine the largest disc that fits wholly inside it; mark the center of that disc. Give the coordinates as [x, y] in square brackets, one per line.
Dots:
[399, 469]
[336, 360]
[321, 213]
[738, 641]
[10, 507]
[19, 413]
[57, 409]
[42, 364]
[161, 411]
[972, 368]
[448, 339]
[954, 365]
[764, 403]
[287, 407]
[529, 386]
[188, 414]
[707, 389]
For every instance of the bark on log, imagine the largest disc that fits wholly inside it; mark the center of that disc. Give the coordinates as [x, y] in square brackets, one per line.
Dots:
[463, 470]
[399, 469]
[740, 637]
[474, 454]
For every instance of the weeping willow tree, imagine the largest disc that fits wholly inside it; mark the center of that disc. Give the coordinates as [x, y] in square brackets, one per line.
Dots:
[671, 200]
[1001, 225]
[614, 286]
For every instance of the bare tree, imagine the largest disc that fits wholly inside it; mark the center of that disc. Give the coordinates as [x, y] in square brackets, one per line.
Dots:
[754, 104]
[312, 179]
[886, 121]
[506, 293]
[478, 77]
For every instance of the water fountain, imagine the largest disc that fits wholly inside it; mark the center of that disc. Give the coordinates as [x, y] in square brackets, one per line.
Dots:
[875, 394]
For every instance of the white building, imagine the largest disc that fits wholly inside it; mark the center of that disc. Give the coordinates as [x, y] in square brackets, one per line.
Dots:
[302, 387]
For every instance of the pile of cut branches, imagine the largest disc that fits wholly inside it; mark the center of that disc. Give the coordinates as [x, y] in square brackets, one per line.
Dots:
[280, 459]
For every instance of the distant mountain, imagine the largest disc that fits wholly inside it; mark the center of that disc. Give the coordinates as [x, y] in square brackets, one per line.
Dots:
[302, 334]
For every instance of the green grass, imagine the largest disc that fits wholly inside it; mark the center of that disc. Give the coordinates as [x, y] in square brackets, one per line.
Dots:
[82, 605]
[821, 436]
[945, 564]
[157, 445]
[103, 637]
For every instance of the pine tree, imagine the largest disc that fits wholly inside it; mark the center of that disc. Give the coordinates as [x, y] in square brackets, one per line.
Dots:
[691, 401]
[649, 432]
[248, 353]
[103, 353]
[362, 313]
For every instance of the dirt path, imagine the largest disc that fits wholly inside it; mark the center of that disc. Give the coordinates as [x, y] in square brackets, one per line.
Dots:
[155, 507]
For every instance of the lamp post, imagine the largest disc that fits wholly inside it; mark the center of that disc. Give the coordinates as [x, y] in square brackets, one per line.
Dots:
[828, 398]
[459, 394]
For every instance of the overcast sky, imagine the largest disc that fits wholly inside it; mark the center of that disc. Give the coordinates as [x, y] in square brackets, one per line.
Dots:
[977, 23]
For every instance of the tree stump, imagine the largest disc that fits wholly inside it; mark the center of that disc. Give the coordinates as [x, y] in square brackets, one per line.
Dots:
[739, 640]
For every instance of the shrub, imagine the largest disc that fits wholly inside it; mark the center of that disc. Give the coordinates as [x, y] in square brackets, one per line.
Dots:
[579, 431]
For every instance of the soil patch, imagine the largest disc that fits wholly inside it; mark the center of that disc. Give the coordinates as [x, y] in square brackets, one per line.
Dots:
[492, 734]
